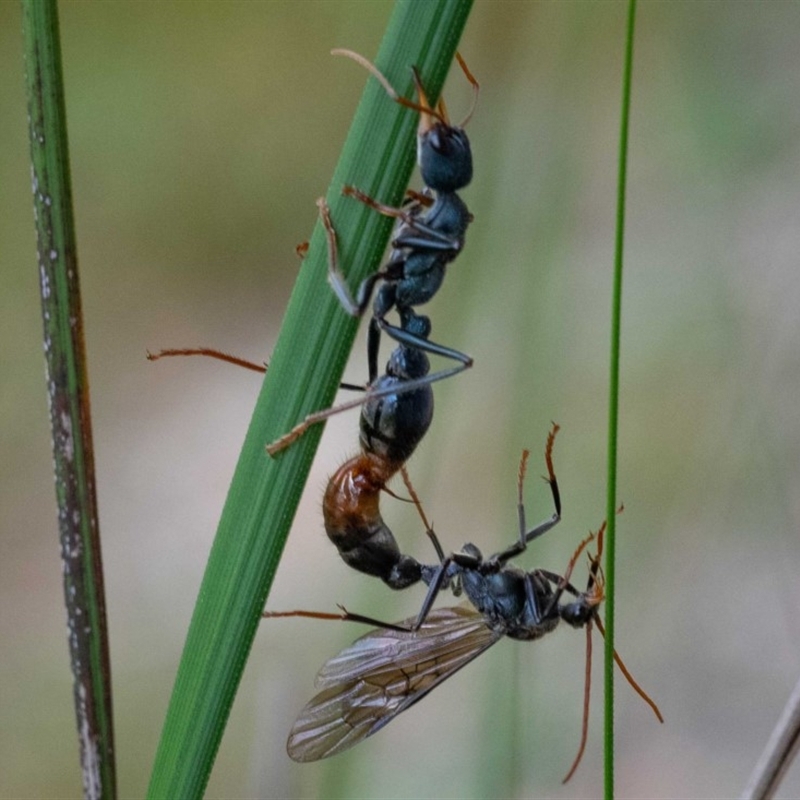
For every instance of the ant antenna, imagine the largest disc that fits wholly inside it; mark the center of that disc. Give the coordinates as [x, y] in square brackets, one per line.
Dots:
[370, 67]
[587, 690]
[423, 106]
[523, 468]
[418, 504]
[476, 88]
[594, 597]
[628, 677]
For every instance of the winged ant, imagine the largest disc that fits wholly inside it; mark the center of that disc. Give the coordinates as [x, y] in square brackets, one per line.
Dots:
[390, 669]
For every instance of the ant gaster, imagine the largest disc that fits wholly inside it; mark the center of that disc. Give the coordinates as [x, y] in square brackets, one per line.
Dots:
[391, 427]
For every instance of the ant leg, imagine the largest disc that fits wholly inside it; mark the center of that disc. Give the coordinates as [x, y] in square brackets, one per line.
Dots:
[306, 614]
[373, 349]
[438, 579]
[211, 353]
[295, 433]
[354, 307]
[595, 588]
[531, 599]
[402, 214]
[423, 199]
[587, 691]
[235, 360]
[438, 582]
[344, 616]
[428, 528]
[403, 337]
[559, 583]
[426, 238]
[412, 340]
[521, 472]
[631, 680]
[527, 536]
[562, 581]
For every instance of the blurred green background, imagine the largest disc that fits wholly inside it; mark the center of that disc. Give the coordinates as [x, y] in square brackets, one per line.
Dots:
[201, 135]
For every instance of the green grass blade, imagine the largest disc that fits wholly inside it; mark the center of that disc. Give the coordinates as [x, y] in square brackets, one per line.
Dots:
[68, 394]
[305, 370]
[613, 407]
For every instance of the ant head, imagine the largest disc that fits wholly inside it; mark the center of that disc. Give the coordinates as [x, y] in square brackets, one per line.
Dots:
[584, 610]
[443, 150]
[577, 614]
[444, 154]
[445, 158]
[585, 607]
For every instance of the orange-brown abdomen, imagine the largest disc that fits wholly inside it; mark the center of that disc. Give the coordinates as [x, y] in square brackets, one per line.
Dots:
[353, 522]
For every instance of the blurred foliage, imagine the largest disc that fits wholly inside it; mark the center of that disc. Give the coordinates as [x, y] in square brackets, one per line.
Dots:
[200, 139]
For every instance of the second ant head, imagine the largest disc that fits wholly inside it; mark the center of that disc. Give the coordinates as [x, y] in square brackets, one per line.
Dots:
[444, 154]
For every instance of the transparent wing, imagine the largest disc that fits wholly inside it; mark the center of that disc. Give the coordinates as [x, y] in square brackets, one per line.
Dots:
[381, 674]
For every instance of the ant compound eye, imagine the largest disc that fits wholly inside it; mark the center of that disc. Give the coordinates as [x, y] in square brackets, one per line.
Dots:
[438, 140]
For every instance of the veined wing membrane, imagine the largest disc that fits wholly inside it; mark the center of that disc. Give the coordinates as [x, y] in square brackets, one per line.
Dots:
[381, 674]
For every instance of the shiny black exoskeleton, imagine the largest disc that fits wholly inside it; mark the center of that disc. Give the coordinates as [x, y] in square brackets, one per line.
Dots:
[394, 421]
[429, 235]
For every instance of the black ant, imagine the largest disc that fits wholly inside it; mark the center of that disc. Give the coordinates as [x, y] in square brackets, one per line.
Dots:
[388, 670]
[430, 231]
[429, 234]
